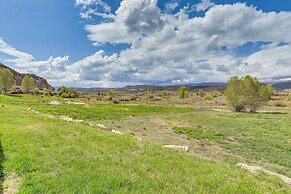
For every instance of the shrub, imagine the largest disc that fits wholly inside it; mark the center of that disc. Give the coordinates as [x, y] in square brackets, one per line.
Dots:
[69, 92]
[183, 92]
[201, 94]
[65, 95]
[36, 91]
[280, 103]
[247, 92]
[208, 97]
[161, 94]
[124, 98]
[47, 92]
[108, 98]
[72, 95]
[114, 101]
[133, 98]
[148, 94]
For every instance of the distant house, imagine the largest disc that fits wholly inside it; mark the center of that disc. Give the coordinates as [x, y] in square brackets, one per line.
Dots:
[16, 90]
[55, 92]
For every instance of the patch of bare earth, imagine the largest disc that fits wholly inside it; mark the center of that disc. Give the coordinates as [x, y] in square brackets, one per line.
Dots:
[10, 184]
[255, 169]
[230, 140]
[183, 148]
[158, 130]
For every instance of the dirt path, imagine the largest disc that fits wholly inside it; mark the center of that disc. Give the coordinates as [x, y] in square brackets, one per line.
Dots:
[160, 133]
[255, 169]
[66, 118]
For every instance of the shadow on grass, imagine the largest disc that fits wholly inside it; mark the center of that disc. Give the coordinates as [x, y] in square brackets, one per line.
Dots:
[273, 113]
[14, 95]
[2, 158]
[262, 112]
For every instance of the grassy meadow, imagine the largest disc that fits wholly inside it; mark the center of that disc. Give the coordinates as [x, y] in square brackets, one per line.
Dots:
[48, 155]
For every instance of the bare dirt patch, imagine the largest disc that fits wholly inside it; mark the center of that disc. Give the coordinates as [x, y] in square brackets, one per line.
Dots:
[255, 169]
[11, 184]
[230, 140]
[65, 118]
[56, 102]
[183, 148]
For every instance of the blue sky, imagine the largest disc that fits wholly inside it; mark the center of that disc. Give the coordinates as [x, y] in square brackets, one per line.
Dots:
[113, 43]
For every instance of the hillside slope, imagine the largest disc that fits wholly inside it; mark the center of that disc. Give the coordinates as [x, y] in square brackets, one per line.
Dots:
[40, 82]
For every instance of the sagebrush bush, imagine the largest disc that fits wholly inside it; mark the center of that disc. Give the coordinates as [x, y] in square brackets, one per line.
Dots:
[114, 101]
[208, 97]
[280, 103]
[65, 95]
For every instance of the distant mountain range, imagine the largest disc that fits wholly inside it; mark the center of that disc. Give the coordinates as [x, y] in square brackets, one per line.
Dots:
[213, 85]
[39, 81]
[282, 85]
[156, 88]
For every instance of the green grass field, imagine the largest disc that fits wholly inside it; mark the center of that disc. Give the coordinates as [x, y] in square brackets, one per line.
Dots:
[48, 155]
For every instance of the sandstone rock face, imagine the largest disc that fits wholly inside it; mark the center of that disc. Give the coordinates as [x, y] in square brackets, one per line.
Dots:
[39, 81]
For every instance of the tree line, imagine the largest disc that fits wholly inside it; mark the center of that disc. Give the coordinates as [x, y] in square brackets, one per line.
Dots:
[241, 94]
[7, 82]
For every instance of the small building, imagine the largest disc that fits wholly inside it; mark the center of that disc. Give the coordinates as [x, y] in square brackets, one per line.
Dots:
[16, 90]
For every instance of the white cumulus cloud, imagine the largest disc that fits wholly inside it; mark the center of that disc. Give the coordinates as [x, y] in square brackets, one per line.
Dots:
[18, 55]
[167, 48]
[94, 7]
[132, 20]
[170, 6]
[53, 68]
[203, 5]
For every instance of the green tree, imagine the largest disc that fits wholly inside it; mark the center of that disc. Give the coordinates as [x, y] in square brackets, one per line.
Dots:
[252, 92]
[36, 91]
[183, 92]
[247, 92]
[267, 92]
[27, 84]
[61, 90]
[6, 80]
[233, 94]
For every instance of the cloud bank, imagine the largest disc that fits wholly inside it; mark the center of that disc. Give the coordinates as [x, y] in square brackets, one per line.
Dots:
[170, 48]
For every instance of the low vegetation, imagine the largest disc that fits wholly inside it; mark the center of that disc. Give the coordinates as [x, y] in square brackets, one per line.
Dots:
[65, 92]
[113, 142]
[183, 92]
[53, 156]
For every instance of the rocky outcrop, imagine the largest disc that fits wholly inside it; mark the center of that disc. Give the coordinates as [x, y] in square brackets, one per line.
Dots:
[39, 81]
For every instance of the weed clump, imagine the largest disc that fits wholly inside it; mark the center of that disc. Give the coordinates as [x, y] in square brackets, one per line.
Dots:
[280, 103]
[208, 97]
